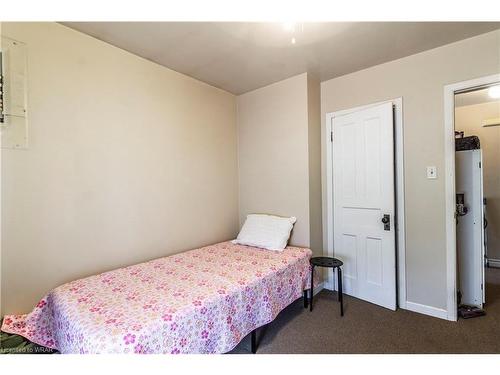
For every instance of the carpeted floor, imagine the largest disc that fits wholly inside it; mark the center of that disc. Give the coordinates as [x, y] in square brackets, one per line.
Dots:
[367, 328]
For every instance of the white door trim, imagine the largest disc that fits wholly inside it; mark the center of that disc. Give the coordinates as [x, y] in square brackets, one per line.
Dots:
[449, 167]
[400, 202]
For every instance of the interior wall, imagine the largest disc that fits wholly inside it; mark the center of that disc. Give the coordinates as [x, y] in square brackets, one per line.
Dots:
[1, 206]
[273, 153]
[314, 154]
[420, 80]
[279, 153]
[469, 119]
[128, 161]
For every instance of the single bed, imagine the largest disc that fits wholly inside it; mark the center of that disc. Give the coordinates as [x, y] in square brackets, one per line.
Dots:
[201, 301]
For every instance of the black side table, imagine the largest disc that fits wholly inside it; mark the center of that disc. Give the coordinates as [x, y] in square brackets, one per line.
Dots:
[332, 263]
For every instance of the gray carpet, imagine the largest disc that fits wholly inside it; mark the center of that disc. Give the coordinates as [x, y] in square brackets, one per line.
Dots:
[367, 328]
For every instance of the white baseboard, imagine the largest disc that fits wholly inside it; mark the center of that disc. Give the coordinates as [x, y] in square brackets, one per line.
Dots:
[494, 263]
[427, 310]
[407, 305]
[328, 286]
[319, 288]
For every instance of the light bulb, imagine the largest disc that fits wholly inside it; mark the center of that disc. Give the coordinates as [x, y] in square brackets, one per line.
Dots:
[289, 26]
[293, 40]
[494, 92]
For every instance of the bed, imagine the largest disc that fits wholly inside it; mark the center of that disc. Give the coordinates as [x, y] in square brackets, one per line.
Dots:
[201, 301]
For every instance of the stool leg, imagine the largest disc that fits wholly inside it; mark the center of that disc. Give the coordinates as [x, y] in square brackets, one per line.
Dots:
[312, 289]
[253, 342]
[338, 281]
[341, 299]
[305, 300]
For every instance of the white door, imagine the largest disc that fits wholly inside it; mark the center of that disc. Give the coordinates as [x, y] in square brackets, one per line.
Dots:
[363, 197]
[470, 227]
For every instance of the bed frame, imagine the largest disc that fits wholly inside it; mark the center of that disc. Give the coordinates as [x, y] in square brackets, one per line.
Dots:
[253, 335]
[39, 318]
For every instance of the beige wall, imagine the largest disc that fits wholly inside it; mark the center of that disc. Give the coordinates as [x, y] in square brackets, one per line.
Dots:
[277, 131]
[1, 205]
[314, 151]
[419, 79]
[128, 161]
[469, 119]
[272, 153]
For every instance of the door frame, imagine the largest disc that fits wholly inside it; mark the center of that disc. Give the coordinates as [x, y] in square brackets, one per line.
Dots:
[400, 198]
[449, 164]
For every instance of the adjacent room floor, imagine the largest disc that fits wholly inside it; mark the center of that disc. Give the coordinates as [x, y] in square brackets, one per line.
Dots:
[367, 328]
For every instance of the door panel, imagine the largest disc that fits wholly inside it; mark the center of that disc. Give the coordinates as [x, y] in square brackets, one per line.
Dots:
[348, 251]
[363, 191]
[374, 259]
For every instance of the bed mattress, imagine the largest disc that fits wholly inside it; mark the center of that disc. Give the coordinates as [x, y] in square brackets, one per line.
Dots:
[200, 301]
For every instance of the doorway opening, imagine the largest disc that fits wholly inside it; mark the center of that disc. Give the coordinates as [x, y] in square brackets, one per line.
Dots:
[472, 114]
[477, 183]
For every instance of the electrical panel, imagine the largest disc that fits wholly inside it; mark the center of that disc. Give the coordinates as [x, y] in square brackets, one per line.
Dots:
[13, 94]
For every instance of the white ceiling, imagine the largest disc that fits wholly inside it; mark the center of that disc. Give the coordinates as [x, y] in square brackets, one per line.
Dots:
[474, 97]
[239, 56]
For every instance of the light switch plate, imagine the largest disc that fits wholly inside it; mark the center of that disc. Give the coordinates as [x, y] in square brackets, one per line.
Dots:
[431, 172]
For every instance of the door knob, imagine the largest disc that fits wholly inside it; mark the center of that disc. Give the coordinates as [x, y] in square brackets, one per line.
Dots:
[387, 222]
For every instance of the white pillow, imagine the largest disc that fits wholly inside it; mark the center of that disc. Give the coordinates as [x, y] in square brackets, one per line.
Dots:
[266, 231]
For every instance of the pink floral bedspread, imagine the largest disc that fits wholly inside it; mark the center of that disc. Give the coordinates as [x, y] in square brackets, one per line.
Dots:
[200, 301]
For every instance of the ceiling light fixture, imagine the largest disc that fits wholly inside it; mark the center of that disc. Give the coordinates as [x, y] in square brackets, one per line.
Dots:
[289, 26]
[494, 92]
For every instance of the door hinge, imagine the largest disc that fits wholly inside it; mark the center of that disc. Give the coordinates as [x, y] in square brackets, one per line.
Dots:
[479, 164]
[331, 136]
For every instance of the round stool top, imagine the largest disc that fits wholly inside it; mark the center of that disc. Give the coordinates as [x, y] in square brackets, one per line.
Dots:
[325, 262]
